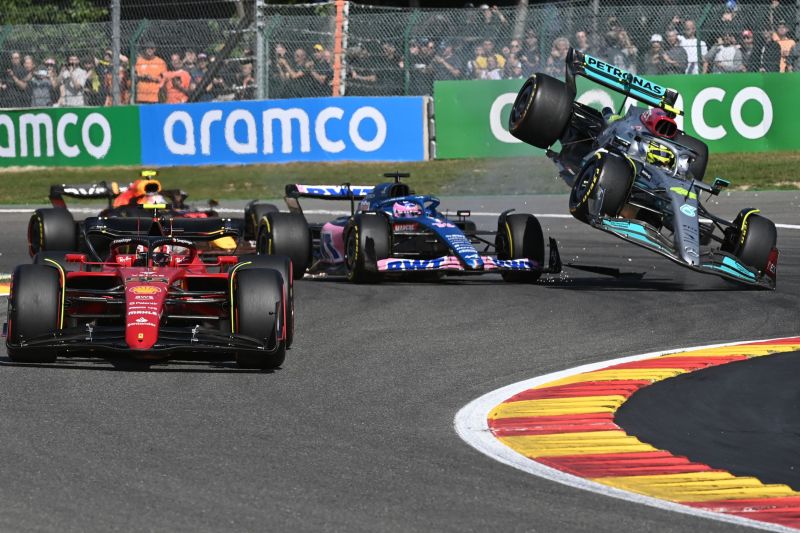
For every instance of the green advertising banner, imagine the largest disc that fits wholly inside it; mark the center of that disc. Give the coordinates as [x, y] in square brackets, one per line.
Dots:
[72, 137]
[746, 112]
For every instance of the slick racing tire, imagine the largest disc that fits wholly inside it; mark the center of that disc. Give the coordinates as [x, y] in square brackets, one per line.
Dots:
[541, 111]
[367, 241]
[286, 234]
[751, 239]
[258, 296]
[254, 211]
[607, 171]
[47, 259]
[697, 168]
[283, 265]
[51, 229]
[520, 237]
[34, 308]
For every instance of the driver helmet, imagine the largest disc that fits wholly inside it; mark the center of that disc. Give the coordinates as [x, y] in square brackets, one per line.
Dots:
[660, 155]
[406, 209]
[141, 256]
[162, 256]
[152, 198]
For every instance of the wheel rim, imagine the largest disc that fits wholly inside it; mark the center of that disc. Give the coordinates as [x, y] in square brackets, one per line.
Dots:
[583, 183]
[262, 246]
[33, 238]
[521, 103]
[351, 251]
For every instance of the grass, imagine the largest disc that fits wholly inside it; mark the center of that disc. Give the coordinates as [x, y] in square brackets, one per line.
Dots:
[775, 170]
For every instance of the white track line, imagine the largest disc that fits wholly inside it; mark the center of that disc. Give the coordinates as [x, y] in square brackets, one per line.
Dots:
[333, 212]
[472, 426]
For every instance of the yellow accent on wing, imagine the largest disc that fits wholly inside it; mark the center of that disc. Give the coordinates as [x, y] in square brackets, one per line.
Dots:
[63, 290]
[684, 192]
[233, 307]
[224, 243]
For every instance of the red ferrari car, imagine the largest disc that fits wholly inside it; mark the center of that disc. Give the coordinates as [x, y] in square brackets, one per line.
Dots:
[152, 296]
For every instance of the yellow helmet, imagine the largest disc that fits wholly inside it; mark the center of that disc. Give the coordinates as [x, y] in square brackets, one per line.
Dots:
[660, 155]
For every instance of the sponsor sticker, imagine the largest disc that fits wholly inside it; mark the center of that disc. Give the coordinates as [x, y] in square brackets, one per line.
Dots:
[145, 289]
[141, 324]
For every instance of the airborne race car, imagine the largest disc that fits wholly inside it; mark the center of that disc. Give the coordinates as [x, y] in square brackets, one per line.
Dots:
[395, 232]
[151, 297]
[55, 228]
[637, 176]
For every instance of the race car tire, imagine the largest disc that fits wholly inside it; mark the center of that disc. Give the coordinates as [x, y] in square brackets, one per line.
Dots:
[258, 296]
[697, 168]
[541, 111]
[33, 310]
[254, 211]
[286, 234]
[51, 229]
[520, 236]
[367, 241]
[751, 239]
[45, 258]
[606, 170]
[283, 265]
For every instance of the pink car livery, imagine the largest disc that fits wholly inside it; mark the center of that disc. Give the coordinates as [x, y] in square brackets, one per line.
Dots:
[390, 232]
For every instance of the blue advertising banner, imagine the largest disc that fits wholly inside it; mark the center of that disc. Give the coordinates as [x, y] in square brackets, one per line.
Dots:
[276, 131]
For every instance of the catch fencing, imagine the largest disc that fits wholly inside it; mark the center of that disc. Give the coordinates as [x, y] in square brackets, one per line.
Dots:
[256, 50]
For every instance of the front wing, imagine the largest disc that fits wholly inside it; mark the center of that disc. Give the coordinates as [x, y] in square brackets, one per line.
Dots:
[714, 262]
[170, 341]
[490, 264]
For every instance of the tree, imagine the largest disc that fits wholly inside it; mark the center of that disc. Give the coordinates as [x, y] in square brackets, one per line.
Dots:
[63, 11]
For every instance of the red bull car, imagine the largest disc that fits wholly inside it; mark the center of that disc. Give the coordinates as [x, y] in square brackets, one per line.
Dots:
[394, 232]
[151, 296]
[55, 228]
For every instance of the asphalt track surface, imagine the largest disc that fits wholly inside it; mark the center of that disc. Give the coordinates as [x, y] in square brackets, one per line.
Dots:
[355, 432]
[745, 417]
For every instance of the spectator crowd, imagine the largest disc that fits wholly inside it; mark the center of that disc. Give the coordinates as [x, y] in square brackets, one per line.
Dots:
[87, 81]
[755, 40]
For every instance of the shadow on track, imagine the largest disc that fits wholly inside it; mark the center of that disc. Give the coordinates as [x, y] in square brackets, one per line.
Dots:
[120, 364]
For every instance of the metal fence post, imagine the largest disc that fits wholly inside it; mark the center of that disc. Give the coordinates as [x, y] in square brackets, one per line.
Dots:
[115, 50]
[132, 49]
[701, 60]
[261, 54]
[406, 56]
[274, 22]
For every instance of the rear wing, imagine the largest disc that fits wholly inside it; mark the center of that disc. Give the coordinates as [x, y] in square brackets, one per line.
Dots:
[194, 229]
[295, 191]
[105, 190]
[101, 189]
[619, 80]
[328, 192]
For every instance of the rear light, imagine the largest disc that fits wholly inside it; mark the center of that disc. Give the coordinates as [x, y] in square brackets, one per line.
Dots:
[75, 258]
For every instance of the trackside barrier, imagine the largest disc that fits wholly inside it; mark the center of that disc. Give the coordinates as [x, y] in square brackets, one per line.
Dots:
[240, 132]
[731, 112]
